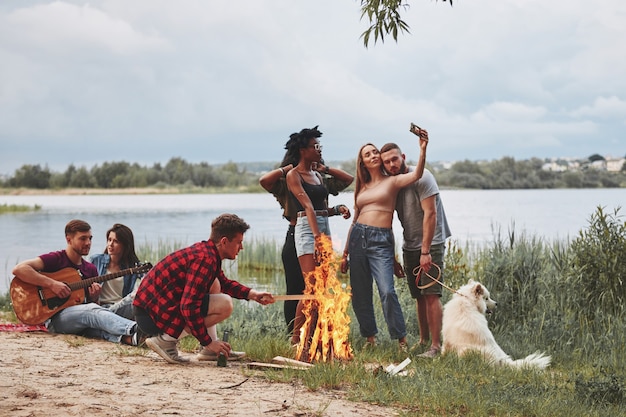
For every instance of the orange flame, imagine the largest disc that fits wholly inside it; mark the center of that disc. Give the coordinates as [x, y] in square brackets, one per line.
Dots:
[324, 335]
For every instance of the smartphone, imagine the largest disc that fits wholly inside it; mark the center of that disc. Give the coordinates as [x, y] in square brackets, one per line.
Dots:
[415, 129]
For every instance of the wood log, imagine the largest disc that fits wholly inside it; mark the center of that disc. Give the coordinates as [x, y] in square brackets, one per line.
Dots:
[265, 365]
[306, 355]
[288, 361]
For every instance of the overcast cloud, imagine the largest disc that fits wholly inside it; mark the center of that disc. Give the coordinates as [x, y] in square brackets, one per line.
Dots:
[216, 81]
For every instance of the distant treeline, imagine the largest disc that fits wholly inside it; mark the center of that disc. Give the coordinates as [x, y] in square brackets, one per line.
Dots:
[505, 173]
[177, 172]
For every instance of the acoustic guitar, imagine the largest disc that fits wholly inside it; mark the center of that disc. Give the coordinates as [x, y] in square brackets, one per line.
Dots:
[34, 305]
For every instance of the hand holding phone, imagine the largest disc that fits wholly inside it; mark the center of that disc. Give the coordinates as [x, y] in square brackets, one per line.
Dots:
[419, 132]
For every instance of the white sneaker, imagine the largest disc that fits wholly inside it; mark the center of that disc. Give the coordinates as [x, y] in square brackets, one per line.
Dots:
[207, 354]
[166, 349]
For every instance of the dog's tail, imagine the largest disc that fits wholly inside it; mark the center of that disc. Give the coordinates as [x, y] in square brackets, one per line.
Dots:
[537, 360]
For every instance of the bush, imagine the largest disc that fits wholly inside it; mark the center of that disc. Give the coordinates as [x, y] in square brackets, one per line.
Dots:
[599, 264]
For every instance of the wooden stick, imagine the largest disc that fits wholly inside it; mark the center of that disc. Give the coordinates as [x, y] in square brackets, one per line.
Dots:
[274, 366]
[281, 360]
[288, 297]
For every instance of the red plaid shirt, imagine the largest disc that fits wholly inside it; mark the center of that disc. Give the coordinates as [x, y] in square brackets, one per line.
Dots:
[172, 292]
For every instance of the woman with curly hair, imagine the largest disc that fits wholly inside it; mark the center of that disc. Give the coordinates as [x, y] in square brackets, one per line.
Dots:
[309, 196]
[275, 182]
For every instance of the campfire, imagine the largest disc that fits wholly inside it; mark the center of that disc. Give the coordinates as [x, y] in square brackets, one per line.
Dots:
[324, 335]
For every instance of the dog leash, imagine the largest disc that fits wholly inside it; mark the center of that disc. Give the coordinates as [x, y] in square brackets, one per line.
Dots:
[417, 272]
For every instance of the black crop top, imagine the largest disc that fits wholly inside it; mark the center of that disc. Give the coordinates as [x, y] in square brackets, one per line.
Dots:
[317, 193]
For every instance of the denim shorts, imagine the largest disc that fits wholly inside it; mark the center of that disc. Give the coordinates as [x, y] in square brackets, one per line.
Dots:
[305, 242]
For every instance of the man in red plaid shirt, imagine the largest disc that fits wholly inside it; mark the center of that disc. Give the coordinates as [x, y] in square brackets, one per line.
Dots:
[187, 291]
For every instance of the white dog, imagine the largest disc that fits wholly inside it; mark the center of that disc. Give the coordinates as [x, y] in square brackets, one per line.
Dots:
[465, 328]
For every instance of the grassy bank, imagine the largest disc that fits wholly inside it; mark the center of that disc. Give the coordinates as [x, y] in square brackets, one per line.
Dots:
[17, 208]
[564, 298]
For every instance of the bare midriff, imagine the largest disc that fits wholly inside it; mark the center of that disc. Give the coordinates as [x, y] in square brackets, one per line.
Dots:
[376, 218]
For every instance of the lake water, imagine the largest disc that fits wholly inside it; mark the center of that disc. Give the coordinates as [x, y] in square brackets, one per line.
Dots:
[472, 214]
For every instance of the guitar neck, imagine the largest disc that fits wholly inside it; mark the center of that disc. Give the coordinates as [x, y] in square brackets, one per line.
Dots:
[84, 283]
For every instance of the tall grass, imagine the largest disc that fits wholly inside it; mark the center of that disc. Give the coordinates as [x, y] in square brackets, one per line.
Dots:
[546, 302]
[17, 208]
[260, 254]
[154, 252]
[564, 298]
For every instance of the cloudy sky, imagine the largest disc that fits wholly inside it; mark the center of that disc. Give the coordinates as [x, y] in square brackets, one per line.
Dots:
[86, 82]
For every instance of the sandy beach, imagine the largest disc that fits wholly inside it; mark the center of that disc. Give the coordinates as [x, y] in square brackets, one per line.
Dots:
[50, 375]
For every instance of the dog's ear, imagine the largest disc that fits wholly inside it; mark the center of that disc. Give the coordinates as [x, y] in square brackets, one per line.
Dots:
[479, 290]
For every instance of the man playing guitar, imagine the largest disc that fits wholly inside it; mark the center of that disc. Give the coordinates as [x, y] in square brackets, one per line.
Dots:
[71, 311]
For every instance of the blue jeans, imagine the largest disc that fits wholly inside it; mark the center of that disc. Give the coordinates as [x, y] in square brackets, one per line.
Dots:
[124, 307]
[91, 320]
[372, 253]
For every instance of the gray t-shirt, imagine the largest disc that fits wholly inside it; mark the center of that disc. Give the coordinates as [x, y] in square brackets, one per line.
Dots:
[411, 214]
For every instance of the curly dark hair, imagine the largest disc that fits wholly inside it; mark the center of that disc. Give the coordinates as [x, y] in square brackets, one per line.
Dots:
[296, 142]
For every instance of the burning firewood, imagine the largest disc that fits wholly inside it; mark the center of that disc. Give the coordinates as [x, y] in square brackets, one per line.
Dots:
[324, 335]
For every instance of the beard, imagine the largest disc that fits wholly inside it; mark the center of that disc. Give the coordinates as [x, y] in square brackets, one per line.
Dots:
[402, 170]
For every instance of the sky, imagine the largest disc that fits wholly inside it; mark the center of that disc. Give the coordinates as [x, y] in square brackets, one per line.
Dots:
[216, 81]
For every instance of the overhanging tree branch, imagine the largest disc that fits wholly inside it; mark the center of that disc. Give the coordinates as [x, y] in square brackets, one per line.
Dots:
[384, 17]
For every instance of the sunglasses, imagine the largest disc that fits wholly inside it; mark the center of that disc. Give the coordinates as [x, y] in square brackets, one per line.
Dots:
[316, 146]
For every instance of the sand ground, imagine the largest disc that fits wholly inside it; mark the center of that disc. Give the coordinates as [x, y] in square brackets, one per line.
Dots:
[47, 375]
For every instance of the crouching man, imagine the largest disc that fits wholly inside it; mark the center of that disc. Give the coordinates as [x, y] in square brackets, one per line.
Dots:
[187, 293]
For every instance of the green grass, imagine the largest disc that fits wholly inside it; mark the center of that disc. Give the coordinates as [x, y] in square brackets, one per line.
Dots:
[15, 208]
[154, 252]
[542, 292]
[542, 289]
[261, 254]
